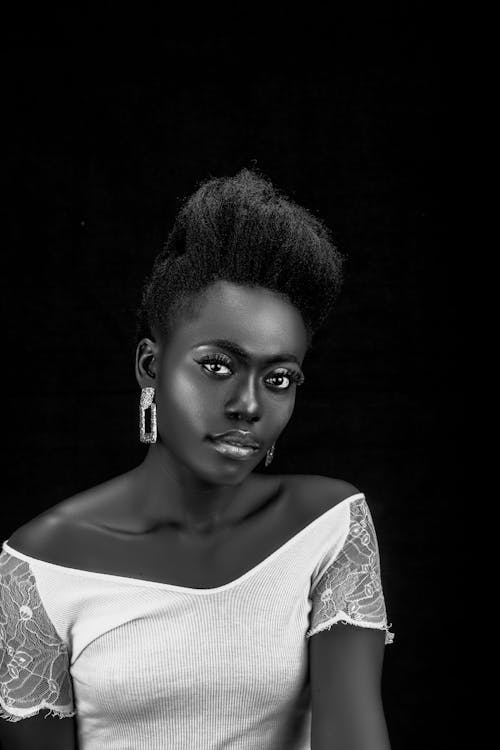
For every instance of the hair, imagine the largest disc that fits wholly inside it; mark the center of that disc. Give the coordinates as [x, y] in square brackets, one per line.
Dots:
[243, 230]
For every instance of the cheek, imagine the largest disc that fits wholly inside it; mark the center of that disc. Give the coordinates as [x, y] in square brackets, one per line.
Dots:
[183, 394]
[287, 414]
[185, 387]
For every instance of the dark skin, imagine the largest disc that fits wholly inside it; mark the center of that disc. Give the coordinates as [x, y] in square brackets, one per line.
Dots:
[183, 480]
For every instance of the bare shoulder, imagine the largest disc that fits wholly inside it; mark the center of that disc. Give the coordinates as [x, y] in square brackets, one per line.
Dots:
[46, 536]
[39, 536]
[315, 494]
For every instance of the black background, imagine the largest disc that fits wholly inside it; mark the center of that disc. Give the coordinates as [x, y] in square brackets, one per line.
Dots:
[98, 158]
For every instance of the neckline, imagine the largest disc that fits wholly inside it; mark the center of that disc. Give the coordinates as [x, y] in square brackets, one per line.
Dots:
[173, 587]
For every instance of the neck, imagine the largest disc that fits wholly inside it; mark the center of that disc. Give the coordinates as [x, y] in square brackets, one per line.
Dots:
[171, 494]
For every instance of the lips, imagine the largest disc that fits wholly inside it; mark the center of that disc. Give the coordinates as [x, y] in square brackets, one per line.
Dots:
[240, 438]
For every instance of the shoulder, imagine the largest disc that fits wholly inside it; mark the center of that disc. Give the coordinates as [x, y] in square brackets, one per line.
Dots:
[53, 536]
[46, 536]
[316, 494]
[322, 489]
[40, 537]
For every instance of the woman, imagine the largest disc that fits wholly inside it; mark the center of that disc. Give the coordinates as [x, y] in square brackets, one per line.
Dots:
[173, 606]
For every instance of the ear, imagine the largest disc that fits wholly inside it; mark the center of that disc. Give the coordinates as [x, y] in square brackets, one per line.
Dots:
[146, 362]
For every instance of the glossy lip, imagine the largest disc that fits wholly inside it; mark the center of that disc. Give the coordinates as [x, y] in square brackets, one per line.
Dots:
[245, 438]
[233, 451]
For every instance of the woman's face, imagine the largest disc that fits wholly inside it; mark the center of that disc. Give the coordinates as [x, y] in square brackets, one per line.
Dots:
[204, 388]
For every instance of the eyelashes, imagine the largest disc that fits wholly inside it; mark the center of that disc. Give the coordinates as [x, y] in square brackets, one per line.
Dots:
[292, 375]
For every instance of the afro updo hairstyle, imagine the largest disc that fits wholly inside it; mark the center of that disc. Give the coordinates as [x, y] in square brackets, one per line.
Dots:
[243, 230]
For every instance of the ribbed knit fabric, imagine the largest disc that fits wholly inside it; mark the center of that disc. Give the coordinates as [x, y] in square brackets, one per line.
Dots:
[147, 665]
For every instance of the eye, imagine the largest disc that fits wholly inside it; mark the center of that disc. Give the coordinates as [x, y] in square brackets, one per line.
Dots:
[214, 359]
[219, 360]
[282, 375]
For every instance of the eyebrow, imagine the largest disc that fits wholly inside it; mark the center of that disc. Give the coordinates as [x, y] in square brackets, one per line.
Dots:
[231, 346]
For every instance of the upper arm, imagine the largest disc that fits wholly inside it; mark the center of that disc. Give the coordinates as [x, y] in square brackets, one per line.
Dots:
[41, 732]
[345, 675]
[31, 646]
[347, 637]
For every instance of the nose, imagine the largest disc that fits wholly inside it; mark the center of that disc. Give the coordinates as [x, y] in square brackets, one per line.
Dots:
[244, 403]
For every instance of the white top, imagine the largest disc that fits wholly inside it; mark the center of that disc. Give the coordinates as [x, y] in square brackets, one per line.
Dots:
[148, 665]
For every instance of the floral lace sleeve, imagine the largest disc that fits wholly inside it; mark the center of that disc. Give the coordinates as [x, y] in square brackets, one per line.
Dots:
[34, 662]
[350, 588]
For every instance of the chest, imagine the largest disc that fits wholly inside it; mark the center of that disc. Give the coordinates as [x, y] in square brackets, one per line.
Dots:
[180, 559]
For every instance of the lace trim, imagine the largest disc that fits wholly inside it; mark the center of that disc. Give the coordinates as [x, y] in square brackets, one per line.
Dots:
[52, 712]
[351, 586]
[389, 637]
[34, 661]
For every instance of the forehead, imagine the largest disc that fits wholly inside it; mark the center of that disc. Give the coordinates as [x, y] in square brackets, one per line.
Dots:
[259, 320]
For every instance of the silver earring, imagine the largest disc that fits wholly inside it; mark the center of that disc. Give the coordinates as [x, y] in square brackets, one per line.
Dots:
[270, 454]
[147, 396]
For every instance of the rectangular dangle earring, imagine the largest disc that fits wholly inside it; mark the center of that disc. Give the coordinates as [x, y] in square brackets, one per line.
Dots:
[147, 395]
